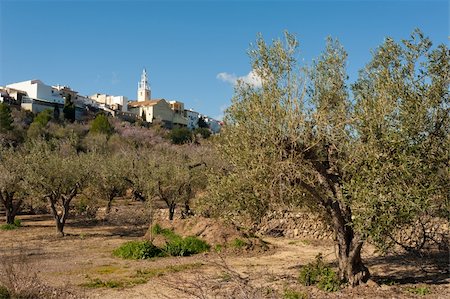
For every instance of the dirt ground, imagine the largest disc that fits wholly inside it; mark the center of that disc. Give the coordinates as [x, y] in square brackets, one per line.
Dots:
[82, 264]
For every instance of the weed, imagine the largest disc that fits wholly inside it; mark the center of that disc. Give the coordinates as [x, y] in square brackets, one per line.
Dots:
[317, 273]
[306, 242]
[218, 248]
[138, 250]
[238, 243]
[292, 294]
[107, 269]
[419, 290]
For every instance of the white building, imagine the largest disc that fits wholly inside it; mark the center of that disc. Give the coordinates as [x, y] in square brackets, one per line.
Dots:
[192, 119]
[39, 96]
[119, 103]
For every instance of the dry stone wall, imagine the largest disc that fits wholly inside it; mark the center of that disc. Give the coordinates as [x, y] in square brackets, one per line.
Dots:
[295, 225]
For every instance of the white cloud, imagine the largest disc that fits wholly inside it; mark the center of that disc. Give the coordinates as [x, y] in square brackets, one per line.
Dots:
[251, 78]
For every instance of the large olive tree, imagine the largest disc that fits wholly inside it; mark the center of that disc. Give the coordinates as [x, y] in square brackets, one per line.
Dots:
[300, 139]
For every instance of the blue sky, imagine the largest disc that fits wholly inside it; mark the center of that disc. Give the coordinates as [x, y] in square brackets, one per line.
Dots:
[102, 46]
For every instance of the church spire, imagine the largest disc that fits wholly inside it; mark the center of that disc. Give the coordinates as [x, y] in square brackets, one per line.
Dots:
[144, 92]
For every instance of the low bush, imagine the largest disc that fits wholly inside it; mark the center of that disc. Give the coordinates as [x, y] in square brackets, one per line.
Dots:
[138, 250]
[186, 246]
[317, 273]
[175, 246]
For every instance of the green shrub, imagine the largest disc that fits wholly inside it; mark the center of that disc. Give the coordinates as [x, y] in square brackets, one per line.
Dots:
[101, 125]
[4, 292]
[180, 135]
[43, 117]
[317, 273]
[238, 243]
[137, 250]
[6, 120]
[185, 247]
[204, 132]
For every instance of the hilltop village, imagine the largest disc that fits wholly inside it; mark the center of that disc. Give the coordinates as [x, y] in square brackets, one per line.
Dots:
[36, 96]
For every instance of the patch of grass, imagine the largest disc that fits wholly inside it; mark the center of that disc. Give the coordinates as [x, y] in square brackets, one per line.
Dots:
[218, 248]
[419, 290]
[138, 250]
[225, 276]
[156, 272]
[98, 283]
[238, 243]
[317, 273]
[292, 294]
[107, 269]
[17, 223]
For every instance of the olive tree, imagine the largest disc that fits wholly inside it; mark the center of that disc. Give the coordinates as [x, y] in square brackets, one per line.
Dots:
[12, 168]
[57, 173]
[300, 139]
[177, 174]
[110, 176]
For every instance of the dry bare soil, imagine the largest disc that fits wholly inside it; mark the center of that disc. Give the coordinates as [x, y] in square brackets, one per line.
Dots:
[82, 264]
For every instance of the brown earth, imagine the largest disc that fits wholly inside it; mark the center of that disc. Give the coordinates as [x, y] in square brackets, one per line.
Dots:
[82, 264]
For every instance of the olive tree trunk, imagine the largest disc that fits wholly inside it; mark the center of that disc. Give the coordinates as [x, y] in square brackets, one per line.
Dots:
[12, 207]
[348, 247]
[61, 217]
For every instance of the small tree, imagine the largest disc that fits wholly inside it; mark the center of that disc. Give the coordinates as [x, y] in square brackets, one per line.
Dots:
[57, 173]
[12, 168]
[6, 119]
[101, 125]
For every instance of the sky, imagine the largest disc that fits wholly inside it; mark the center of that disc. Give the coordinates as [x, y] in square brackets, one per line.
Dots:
[193, 50]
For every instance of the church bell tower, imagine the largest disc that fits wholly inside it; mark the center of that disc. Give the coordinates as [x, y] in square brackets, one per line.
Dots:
[144, 92]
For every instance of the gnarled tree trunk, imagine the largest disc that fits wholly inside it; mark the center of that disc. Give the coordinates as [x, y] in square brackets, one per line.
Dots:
[11, 207]
[349, 245]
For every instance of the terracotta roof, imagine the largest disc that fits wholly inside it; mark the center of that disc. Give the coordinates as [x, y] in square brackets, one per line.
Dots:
[144, 103]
